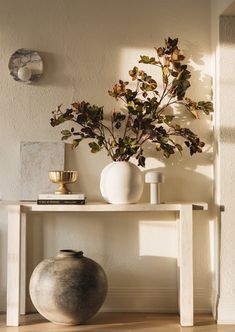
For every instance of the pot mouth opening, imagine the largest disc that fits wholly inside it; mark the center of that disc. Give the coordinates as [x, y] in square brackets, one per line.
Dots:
[70, 252]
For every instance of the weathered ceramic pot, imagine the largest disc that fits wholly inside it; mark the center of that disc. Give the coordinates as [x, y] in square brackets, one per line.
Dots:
[121, 182]
[69, 288]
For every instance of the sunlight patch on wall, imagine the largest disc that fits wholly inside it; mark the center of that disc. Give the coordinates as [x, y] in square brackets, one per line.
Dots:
[157, 239]
[130, 57]
[201, 67]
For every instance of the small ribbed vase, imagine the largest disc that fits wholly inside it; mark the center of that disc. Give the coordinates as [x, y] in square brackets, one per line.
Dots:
[121, 182]
[68, 289]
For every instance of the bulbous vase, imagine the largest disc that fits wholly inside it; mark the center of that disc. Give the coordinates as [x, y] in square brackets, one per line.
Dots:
[121, 182]
[68, 289]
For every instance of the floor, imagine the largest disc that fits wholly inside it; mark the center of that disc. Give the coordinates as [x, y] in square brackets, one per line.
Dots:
[108, 322]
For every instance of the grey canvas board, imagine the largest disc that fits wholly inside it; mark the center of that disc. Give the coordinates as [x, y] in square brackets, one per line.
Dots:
[37, 158]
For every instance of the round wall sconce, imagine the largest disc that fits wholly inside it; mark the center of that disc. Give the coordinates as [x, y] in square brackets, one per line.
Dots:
[25, 65]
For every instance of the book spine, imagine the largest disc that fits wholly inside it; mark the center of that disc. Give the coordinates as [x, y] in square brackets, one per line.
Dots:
[61, 201]
[61, 197]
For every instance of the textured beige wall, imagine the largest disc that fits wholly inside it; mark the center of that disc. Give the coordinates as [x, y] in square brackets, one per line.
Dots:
[227, 170]
[225, 7]
[87, 46]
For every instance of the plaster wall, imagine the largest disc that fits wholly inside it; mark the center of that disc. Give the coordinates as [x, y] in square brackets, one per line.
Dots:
[223, 6]
[226, 157]
[87, 46]
[226, 7]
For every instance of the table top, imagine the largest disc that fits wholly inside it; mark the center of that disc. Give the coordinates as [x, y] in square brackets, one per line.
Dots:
[104, 207]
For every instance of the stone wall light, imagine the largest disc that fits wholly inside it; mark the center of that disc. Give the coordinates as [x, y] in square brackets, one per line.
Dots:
[25, 65]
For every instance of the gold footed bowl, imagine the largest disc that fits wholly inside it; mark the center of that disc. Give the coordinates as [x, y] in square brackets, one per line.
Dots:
[62, 178]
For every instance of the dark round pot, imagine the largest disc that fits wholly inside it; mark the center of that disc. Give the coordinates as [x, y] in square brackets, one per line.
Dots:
[69, 288]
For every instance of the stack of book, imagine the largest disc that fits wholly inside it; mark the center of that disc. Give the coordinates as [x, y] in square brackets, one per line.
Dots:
[51, 198]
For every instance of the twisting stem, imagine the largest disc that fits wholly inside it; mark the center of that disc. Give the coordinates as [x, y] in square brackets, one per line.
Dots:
[106, 143]
[126, 126]
[108, 129]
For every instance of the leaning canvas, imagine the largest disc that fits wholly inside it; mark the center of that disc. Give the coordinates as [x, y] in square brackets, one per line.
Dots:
[37, 158]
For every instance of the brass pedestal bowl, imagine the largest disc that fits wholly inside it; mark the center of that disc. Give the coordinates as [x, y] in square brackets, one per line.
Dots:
[62, 178]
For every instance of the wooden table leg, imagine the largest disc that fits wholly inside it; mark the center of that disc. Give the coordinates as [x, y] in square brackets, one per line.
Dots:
[186, 265]
[23, 264]
[13, 266]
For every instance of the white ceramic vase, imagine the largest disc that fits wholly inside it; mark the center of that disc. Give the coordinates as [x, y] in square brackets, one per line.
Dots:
[121, 182]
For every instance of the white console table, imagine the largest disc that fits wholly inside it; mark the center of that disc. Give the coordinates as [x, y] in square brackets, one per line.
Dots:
[16, 269]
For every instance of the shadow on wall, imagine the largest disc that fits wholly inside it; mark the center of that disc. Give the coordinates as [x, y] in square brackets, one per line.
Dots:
[227, 135]
[196, 55]
[54, 67]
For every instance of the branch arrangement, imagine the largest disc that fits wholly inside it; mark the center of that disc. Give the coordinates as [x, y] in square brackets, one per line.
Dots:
[145, 116]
